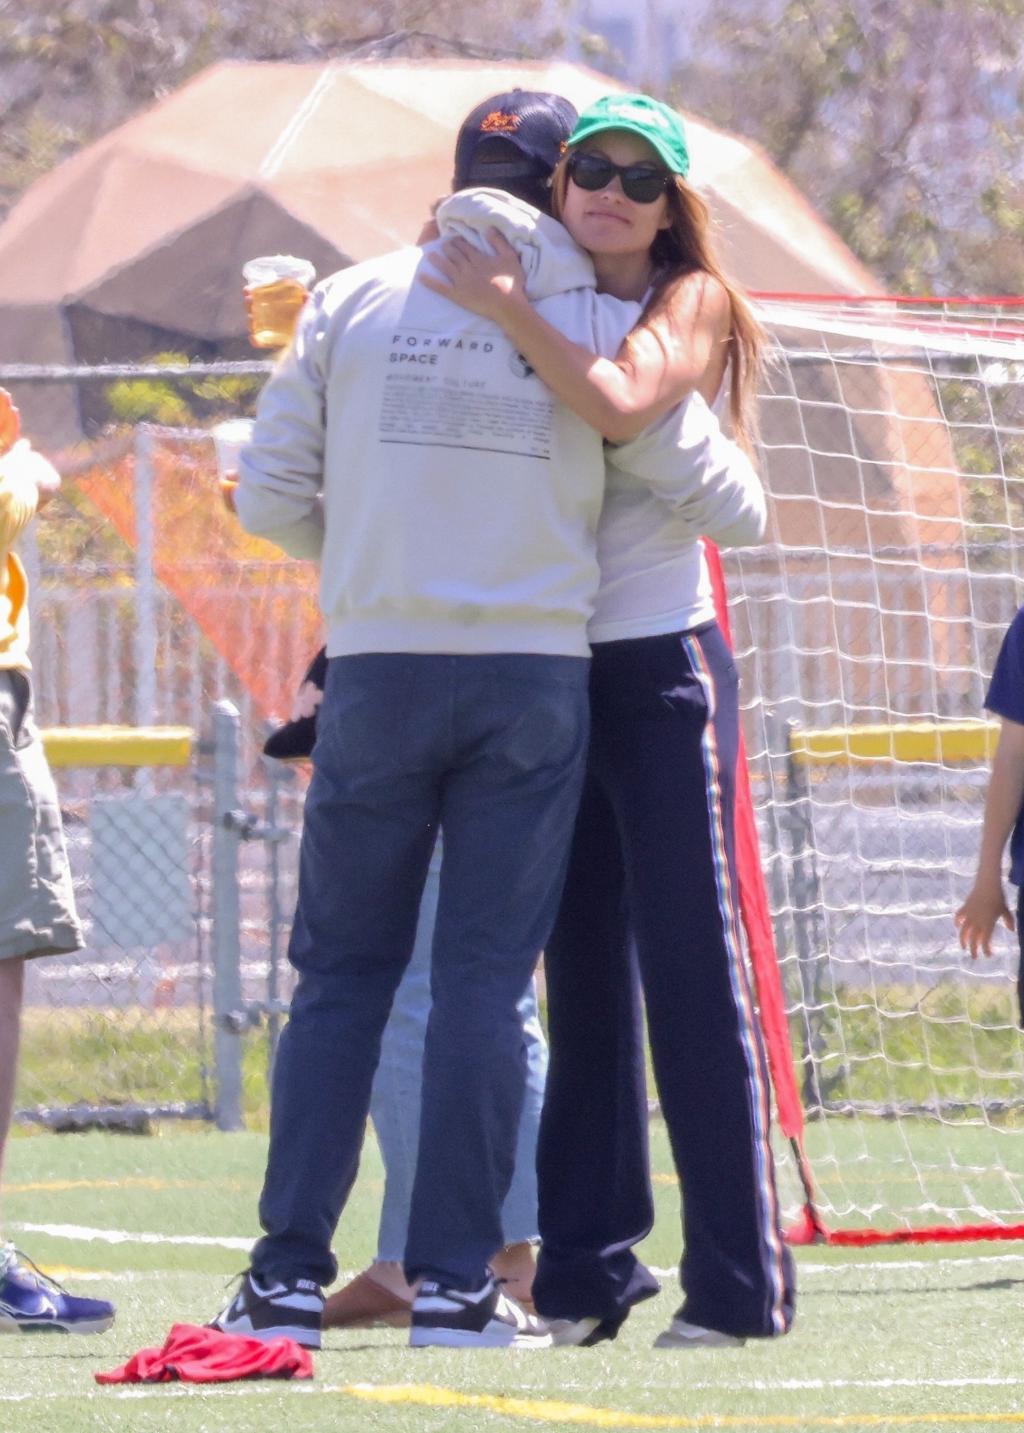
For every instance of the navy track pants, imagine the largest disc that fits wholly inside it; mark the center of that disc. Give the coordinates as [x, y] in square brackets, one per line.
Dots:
[653, 863]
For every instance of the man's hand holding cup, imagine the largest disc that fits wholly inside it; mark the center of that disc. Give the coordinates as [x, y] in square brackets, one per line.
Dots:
[276, 288]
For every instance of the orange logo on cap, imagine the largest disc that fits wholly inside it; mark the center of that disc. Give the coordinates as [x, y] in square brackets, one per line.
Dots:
[497, 122]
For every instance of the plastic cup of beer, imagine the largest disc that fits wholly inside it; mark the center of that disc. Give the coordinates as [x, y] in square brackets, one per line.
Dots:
[229, 438]
[278, 285]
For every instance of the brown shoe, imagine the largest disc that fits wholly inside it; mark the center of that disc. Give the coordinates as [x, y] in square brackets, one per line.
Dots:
[364, 1304]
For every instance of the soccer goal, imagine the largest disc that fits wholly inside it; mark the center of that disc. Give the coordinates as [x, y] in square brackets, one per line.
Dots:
[892, 437]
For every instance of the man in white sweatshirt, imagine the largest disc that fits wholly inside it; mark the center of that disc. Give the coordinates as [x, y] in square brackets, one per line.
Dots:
[452, 505]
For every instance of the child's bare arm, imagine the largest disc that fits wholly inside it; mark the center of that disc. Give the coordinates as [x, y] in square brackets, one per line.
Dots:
[986, 903]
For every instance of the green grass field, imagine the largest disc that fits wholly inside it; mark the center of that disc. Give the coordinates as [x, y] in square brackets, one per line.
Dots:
[888, 1045]
[923, 1338]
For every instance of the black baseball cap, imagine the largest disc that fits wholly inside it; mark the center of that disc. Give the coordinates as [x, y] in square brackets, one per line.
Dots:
[516, 136]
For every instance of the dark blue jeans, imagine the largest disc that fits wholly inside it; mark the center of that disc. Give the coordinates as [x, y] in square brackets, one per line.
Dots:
[491, 748]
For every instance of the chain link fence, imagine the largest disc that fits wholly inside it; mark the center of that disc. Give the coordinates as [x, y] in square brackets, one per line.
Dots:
[153, 624]
[118, 1033]
[180, 870]
[879, 597]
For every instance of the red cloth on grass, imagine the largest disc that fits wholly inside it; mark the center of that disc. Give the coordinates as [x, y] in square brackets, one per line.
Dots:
[202, 1355]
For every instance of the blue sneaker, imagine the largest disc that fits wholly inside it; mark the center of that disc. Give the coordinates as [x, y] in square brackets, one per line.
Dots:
[30, 1302]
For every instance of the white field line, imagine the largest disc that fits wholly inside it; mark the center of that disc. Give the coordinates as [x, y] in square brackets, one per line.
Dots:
[883, 1265]
[138, 1276]
[125, 1236]
[120, 1276]
[128, 1276]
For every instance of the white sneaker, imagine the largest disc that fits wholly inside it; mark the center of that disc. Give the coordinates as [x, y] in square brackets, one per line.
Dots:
[680, 1334]
[482, 1318]
[579, 1333]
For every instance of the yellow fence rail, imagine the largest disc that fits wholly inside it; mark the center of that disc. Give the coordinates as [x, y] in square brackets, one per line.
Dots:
[945, 742]
[119, 745]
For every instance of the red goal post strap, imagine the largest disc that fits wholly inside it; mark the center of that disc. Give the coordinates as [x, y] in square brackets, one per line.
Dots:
[933, 1234]
[757, 923]
[754, 910]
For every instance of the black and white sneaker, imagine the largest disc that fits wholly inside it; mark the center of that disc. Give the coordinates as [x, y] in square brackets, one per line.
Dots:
[292, 1309]
[486, 1318]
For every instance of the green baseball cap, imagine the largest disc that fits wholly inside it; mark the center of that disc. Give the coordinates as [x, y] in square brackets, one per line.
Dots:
[639, 114]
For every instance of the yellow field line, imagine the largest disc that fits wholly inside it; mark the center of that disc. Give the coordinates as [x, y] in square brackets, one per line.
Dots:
[544, 1410]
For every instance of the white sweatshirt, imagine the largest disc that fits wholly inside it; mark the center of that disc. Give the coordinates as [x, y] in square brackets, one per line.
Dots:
[460, 501]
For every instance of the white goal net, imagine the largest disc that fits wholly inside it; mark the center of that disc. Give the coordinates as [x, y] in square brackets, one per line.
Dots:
[867, 626]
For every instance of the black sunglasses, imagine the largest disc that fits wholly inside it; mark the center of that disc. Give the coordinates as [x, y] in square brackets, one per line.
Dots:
[643, 183]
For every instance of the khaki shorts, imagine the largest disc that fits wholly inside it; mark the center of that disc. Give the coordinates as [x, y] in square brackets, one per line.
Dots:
[37, 906]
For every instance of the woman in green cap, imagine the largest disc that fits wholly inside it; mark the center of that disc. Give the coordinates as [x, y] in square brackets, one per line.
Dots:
[653, 864]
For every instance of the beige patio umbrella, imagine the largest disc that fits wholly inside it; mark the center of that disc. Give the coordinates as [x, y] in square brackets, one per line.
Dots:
[135, 245]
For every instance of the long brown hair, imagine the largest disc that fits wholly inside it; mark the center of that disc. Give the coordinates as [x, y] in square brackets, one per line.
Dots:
[686, 247]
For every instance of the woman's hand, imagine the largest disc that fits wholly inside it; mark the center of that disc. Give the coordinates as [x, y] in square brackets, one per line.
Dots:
[492, 285]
